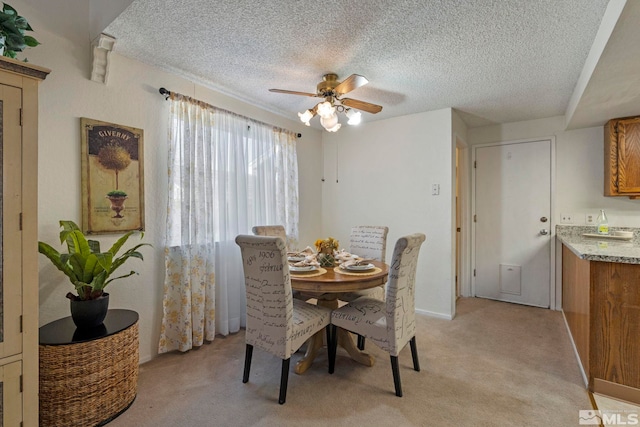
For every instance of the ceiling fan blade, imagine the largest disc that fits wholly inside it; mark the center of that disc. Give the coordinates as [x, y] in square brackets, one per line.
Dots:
[292, 92]
[352, 82]
[361, 105]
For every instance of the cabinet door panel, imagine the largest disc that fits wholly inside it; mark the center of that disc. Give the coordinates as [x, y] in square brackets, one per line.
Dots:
[11, 239]
[629, 156]
[10, 395]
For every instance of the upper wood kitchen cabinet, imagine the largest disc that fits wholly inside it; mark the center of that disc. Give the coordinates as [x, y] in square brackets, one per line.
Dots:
[622, 157]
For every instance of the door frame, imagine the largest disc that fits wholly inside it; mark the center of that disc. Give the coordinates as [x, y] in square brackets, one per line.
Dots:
[465, 266]
[555, 301]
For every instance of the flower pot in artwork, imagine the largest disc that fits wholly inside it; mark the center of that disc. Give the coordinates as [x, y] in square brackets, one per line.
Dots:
[117, 204]
[90, 313]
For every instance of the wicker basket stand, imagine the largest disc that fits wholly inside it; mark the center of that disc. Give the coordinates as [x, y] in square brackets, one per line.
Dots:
[88, 383]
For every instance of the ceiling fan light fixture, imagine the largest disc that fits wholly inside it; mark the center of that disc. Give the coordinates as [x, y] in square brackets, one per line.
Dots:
[306, 117]
[332, 91]
[335, 128]
[355, 117]
[330, 122]
[326, 109]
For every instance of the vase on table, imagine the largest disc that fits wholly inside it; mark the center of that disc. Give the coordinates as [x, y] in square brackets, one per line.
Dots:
[326, 259]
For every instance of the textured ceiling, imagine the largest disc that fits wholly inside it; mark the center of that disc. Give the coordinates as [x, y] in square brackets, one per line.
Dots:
[495, 61]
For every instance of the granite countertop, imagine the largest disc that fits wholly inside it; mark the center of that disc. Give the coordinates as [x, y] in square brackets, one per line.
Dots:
[600, 249]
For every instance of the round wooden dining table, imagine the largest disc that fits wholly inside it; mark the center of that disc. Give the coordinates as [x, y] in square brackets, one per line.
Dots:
[327, 288]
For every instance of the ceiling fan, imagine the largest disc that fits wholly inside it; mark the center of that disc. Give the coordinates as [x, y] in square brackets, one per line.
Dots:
[332, 90]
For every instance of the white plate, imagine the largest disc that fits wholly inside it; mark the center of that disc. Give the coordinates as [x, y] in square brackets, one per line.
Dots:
[296, 258]
[305, 268]
[359, 267]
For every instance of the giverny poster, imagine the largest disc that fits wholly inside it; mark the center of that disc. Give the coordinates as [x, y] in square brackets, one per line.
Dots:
[112, 177]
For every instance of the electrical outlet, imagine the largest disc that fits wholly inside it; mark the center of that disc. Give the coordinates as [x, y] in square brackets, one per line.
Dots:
[590, 219]
[435, 189]
[566, 218]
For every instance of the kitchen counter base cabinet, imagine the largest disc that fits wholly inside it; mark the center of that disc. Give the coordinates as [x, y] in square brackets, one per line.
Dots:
[601, 303]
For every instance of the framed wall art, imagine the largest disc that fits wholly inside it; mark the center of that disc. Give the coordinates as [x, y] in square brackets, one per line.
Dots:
[112, 177]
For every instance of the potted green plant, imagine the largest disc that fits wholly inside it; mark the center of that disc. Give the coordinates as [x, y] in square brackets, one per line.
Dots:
[12, 36]
[117, 198]
[89, 270]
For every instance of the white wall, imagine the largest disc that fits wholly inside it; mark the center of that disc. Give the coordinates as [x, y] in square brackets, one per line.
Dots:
[385, 170]
[130, 98]
[579, 168]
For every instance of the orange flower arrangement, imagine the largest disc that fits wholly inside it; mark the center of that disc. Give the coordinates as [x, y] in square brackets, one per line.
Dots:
[326, 245]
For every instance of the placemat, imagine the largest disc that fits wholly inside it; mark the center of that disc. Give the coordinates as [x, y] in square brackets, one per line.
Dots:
[319, 272]
[375, 270]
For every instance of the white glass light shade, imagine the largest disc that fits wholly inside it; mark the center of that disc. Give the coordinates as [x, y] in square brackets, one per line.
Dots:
[325, 109]
[329, 122]
[335, 128]
[354, 117]
[305, 117]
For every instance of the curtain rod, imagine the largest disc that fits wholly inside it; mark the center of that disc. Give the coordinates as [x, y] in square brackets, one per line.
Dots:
[167, 94]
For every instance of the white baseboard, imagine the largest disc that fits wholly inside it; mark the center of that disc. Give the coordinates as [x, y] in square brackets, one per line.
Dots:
[434, 314]
[575, 350]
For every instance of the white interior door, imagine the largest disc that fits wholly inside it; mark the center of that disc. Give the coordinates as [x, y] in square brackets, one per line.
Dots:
[513, 222]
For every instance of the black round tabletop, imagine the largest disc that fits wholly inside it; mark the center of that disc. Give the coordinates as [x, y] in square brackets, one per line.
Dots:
[64, 331]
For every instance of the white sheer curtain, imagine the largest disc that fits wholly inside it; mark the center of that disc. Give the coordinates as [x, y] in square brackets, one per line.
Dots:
[227, 173]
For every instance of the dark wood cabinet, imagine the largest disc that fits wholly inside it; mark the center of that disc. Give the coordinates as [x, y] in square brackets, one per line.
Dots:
[622, 157]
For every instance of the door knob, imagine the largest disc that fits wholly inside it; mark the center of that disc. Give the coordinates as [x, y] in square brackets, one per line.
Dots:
[543, 219]
[544, 231]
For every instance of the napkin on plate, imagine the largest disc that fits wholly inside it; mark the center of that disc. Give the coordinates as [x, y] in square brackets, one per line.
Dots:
[344, 256]
[303, 253]
[355, 262]
[306, 262]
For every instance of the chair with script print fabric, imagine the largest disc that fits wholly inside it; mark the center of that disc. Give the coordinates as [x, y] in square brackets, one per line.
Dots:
[276, 322]
[389, 324]
[276, 231]
[369, 242]
[271, 230]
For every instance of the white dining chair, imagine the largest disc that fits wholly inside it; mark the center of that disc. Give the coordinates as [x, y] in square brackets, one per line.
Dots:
[367, 241]
[389, 324]
[277, 231]
[276, 322]
[271, 230]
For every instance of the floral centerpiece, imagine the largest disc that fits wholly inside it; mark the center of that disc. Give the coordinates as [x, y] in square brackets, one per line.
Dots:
[326, 248]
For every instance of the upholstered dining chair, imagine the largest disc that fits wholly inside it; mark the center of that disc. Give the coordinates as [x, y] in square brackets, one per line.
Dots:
[277, 231]
[276, 322]
[367, 241]
[271, 230]
[390, 324]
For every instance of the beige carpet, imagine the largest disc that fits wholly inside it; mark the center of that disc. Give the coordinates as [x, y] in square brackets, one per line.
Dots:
[495, 364]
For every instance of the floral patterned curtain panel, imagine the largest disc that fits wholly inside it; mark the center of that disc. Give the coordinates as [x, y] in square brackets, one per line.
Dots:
[227, 173]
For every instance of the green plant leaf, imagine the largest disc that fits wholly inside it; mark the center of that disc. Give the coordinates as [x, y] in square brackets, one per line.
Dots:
[130, 253]
[99, 281]
[9, 10]
[21, 22]
[118, 244]
[56, 259]
[131, 273]
[105, 260]
[30, 41]
[91, 268]
[94, 245]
